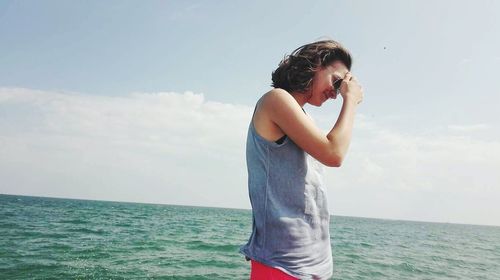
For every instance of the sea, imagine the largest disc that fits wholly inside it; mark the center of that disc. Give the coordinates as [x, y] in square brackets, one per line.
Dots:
[54, 238]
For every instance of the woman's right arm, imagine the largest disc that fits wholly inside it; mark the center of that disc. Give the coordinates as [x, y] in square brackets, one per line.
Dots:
[329, 149]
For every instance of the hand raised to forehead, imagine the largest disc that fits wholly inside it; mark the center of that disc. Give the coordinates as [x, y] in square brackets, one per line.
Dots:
[351, 89]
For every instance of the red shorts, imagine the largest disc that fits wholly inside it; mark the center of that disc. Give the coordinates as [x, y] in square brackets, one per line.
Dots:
[263, 272]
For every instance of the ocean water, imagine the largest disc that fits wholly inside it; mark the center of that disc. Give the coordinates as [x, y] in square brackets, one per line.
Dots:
[49, 238]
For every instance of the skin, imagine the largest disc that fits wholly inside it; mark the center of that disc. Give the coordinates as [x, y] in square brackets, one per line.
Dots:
[279, 112]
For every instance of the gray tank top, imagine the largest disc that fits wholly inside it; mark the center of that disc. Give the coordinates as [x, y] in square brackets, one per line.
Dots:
[290, 227]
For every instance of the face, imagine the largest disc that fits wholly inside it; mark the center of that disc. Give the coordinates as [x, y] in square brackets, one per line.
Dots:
[322, 87]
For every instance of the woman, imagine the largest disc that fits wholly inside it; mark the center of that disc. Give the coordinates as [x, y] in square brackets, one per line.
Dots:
[290, 231]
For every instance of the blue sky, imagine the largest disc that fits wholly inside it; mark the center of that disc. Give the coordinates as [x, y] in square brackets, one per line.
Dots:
[139, 96]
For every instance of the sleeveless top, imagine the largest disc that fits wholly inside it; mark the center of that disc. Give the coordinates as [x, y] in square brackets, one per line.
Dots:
[290, 218]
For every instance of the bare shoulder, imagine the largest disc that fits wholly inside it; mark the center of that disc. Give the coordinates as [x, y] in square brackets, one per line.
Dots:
[277, 95]
[277, 91]
[277, 98]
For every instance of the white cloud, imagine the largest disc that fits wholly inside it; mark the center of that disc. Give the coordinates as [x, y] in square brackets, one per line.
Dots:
[156, 147]
[425, 176]
[180, 148]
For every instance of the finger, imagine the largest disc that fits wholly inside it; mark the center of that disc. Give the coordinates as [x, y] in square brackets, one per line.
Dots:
[348, 76]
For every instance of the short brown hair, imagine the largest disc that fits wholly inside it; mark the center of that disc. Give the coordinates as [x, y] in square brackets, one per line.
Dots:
[296, 71]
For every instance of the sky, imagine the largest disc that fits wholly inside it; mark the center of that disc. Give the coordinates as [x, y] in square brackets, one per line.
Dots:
[151, 101]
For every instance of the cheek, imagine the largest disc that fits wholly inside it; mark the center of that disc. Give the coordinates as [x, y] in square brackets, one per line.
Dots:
[322, 87]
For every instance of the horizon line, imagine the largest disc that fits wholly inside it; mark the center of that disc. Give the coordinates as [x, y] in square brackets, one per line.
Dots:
[247, 209]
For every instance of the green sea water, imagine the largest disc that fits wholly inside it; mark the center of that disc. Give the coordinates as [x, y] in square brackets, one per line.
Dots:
[49, 238]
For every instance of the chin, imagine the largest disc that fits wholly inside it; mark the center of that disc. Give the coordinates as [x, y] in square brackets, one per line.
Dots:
[320, 103]
[317, 102]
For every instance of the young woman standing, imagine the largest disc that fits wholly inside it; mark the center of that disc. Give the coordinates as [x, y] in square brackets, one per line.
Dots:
[286, 152]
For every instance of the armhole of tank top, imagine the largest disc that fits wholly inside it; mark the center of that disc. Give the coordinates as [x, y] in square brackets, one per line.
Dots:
[271, 143]
[258, 136]
[264, 140]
